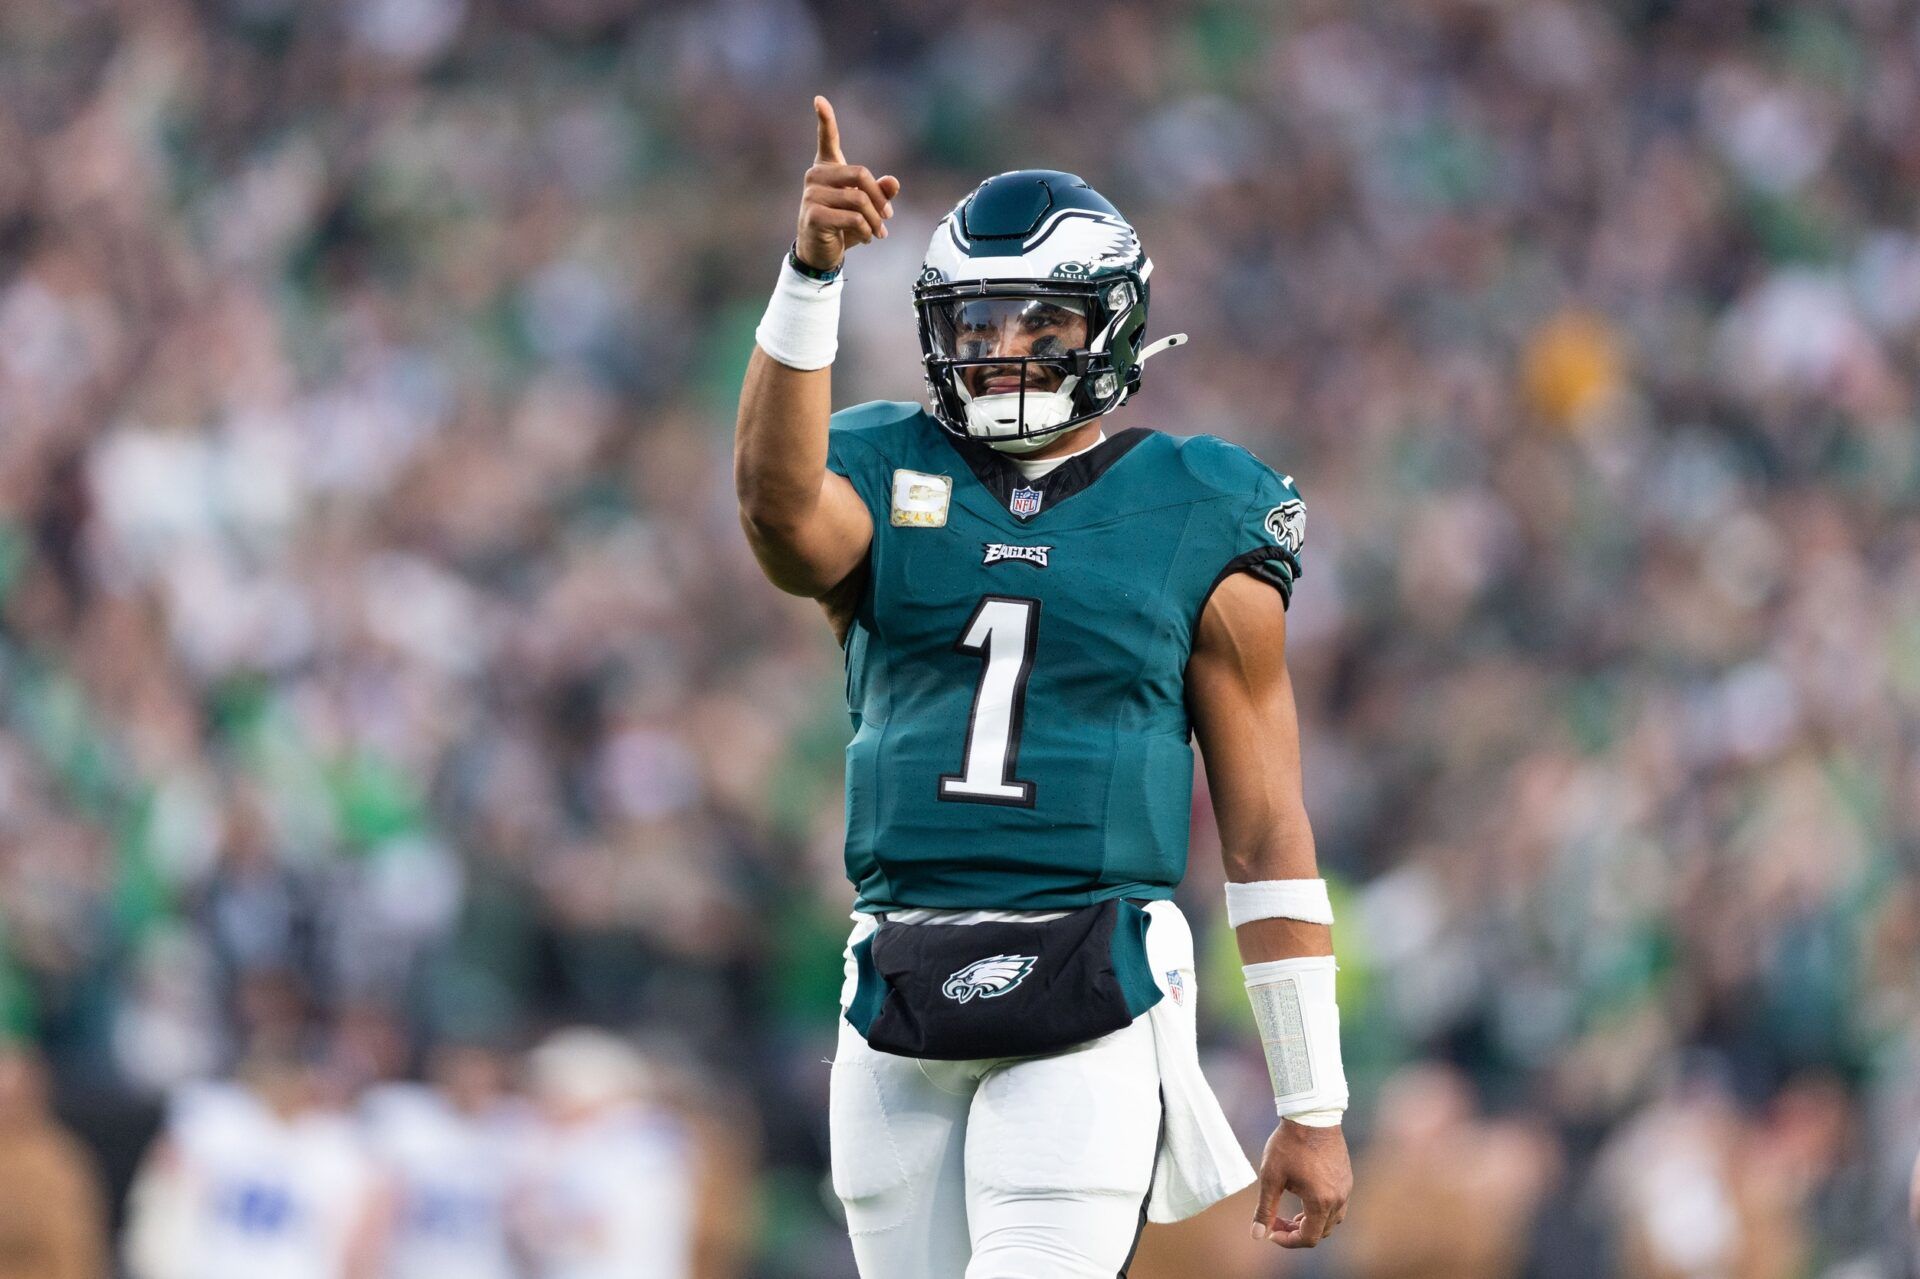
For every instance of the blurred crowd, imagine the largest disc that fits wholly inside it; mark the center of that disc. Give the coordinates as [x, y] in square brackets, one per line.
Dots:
[582, 1162]
[382, 670]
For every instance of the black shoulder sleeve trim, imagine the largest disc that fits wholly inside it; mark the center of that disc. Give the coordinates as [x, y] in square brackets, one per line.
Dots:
[1271, 564]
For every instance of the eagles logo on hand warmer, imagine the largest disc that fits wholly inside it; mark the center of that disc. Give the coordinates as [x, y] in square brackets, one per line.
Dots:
[988, 978]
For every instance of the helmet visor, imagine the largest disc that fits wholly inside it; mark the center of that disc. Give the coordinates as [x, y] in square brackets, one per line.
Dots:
[1003, 343]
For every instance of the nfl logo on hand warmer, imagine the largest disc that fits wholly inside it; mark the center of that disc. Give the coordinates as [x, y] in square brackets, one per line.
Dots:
[1024, 502]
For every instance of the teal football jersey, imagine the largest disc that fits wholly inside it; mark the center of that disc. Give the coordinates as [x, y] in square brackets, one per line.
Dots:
[1016, 663]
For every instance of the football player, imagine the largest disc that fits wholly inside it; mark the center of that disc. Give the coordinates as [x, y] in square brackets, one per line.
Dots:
[1039, 617]
[256, 1177]
[612, 1178]
[448, 1154]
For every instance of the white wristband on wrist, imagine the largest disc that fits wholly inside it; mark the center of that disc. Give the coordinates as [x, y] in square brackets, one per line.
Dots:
[1299, 1022]
[1304, 899]
[801, 328]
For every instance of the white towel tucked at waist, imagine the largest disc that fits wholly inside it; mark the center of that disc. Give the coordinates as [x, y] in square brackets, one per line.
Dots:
[1200, 1161]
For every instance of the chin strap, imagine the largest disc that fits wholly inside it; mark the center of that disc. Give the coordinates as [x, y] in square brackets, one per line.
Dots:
[1027, 443]
[1166, 343]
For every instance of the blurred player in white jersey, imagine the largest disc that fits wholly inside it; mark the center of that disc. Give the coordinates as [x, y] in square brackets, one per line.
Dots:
[249, 1180]
[449, 1154]
[611, 1186]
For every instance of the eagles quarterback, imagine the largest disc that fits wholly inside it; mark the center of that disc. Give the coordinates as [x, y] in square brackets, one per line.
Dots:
[1039, 619]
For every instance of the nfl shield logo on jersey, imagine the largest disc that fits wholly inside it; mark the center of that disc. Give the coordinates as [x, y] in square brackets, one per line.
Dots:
[1024, 502]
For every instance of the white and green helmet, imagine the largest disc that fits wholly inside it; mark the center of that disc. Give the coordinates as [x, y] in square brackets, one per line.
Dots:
[1038, 242]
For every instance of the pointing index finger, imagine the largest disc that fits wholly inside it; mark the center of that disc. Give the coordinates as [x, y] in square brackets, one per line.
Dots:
[828, 149]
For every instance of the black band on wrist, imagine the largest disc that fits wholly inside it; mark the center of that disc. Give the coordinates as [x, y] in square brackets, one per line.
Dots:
[812, 273]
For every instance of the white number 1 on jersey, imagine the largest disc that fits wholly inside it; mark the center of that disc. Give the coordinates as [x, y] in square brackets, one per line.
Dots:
[1002, 631]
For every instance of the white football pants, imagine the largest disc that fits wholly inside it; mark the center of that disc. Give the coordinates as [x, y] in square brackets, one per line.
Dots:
[1007, 1168]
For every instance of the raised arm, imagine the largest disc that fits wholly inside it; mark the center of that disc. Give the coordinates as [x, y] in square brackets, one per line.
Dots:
[1241, 701]
[807, 526]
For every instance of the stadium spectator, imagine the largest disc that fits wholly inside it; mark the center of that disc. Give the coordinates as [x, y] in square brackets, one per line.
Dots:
[1453, 1194]
[52, 1220]
[1698, 1194]
[250, 1178]
[612, 1176]
[449, 1153]
[1913, 1195]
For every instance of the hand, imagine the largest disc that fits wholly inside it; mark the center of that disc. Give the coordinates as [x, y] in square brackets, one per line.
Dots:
[1312, 1163]
[843, 204]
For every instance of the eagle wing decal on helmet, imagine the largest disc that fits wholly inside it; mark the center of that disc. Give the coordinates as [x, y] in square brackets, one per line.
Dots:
[1122, 246]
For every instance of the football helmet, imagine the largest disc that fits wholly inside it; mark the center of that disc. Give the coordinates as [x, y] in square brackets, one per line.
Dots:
[1032, 306]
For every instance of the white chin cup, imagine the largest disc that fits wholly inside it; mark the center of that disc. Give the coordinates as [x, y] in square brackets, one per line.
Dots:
[996, 419]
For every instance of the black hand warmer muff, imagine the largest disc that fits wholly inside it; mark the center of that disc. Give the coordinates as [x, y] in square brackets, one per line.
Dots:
[960, 992]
